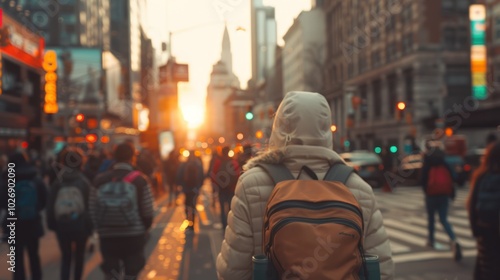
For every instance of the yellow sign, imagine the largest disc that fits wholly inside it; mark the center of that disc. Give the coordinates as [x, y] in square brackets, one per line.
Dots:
[50, 67]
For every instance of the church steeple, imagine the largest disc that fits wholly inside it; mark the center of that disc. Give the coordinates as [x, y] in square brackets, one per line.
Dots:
[226, 55]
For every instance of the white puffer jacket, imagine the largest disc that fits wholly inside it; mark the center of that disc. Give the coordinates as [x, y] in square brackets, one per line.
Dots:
[303, 141]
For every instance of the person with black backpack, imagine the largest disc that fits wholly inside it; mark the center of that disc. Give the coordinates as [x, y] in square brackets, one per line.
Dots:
[438, 186]
[121, 207]
[30, 200]
[301, 206]
[483, 206]
[190, 177]
[68, 211]
[225, 174]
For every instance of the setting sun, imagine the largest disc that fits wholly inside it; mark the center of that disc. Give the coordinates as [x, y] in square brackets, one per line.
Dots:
[193, 115]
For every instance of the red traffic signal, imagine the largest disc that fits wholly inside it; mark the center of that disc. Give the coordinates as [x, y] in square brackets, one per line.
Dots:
[91, 138]
[80, 118]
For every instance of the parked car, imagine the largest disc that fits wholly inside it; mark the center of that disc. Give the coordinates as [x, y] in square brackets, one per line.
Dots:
[368, 165]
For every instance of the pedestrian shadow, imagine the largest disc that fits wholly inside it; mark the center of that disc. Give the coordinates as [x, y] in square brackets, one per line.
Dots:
[197, 261]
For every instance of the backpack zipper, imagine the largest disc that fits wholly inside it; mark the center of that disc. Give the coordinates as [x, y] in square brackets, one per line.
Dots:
[279, 225]
[310, 205]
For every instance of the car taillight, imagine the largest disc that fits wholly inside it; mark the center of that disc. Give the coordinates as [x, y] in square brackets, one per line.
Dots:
[380, 167]
[467, 167]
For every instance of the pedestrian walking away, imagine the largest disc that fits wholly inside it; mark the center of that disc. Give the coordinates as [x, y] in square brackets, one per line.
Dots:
[121, 207]
[483, 206]
[68, 211]
[438, 186]
[225, 174]
[190, 178]
[301, 139]
[31, 198]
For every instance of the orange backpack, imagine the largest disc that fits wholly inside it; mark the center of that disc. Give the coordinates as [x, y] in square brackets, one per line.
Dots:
[313, 229]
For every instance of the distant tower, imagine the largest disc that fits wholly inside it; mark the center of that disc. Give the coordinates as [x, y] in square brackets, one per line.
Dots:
[226, 55]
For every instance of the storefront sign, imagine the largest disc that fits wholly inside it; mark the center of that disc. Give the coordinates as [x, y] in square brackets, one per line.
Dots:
[19, 42]
[477, 16]
[50, 67]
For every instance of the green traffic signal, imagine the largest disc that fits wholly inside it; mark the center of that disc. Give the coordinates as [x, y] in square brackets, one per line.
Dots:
[347, 143]
[249, 116]
[394, 149]
[378, 150]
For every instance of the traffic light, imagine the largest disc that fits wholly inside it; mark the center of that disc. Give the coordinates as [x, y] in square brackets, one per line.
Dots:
[91, 138]
[333, 128]
[249, 113]
[448, 131]
[378, 150]
[393, 149]
[80, 117]
[400, 106]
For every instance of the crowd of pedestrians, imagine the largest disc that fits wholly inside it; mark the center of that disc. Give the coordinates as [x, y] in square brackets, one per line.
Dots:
[112, 195]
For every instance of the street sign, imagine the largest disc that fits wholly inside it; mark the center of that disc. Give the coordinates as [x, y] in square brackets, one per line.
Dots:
[478, 57]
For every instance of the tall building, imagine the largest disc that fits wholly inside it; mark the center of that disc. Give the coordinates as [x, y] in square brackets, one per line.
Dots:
[304, 53]
[380, 53]
[222, 84]
[263, 39]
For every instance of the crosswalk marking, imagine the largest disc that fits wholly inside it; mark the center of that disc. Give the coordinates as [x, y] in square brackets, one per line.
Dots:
[399, 248]
[405, 222]
[458, 230]
[441, 236]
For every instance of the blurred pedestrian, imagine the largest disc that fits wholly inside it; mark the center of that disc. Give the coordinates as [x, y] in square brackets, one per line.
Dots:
[170, 167]
[91, 167]
[68, 211]
[438, 186]
[388, 163]
[301, 136]
[31, 197]
[246, 155]
[483, 206]
[225, 174]
[216, 155]
[122, 213]
[491, 138]
[190, 177]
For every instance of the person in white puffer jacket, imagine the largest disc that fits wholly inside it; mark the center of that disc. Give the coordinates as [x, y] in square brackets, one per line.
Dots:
[300, 136]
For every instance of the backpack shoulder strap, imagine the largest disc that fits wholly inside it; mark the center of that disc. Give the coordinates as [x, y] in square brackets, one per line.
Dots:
[131, 176]
[338, 172]
[277, 172]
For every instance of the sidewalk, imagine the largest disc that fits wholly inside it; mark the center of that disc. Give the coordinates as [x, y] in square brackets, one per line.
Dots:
[50, 254]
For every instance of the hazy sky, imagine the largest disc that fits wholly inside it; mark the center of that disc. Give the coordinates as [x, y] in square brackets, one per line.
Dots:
[197, 37]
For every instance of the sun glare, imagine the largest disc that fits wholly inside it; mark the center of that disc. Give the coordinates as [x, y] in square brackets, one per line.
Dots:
[193, 115]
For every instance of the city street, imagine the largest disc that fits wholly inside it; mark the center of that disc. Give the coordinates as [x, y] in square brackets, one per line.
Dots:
[173, 254]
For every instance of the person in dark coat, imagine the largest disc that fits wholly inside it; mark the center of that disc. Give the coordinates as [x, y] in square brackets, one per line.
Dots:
[190, 177]
[30, 198]
[72, 233]
[387, 162]
[170, 168]
[483, 206]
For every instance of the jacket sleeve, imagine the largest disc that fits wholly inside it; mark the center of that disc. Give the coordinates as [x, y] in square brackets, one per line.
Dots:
[51, 219]
[179, 180]
[87, 216]
[146, 205]
[42, 198]
[425, 175]
[235, 258]
[377, 241]
[93, 206]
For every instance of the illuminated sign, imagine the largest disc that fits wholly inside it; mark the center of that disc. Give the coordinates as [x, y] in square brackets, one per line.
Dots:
[19, 42]
[477, 16]
[50, 67]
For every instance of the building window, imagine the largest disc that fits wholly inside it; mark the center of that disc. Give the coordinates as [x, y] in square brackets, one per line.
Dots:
[393, 98]
[375, 59]
[391, 52]
[407, 43]
[449, 38]
[462, 6]
[377, 99]
[457, 75]
[408, 78]
[406, 16]
[363, 107]
[447, 5]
